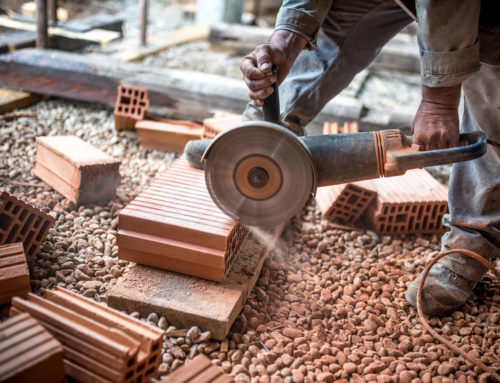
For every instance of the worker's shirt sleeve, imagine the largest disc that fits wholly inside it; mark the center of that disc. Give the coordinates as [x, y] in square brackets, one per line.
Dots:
[448, 40]
[303, 17]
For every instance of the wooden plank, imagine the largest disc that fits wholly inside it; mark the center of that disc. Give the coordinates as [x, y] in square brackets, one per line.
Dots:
[11, 100]
[17, 40]
[100, 36]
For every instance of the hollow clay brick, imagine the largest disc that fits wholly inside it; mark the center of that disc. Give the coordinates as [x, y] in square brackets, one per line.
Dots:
[412, 203]
[335, 128]
[14, 274]
[100, 344]
[346, 202]
[76, 169]
[29, 353]
[131, 106]
[20, 222]
[169, 136]
[175, 225]
[213, 126]
[198, 370]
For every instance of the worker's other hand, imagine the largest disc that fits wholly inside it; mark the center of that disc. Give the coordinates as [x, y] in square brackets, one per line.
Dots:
[436, 123]
[281, 51]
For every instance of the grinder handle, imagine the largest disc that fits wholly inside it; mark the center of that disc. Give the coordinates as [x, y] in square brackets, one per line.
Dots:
[271, 106]
[473, 145]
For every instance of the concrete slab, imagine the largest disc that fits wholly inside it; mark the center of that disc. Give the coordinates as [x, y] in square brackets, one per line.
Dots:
[187, 301]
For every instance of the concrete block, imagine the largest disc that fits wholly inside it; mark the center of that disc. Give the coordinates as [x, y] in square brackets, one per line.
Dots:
[20, 222]
[186, 301]
[131, 105]
[76, 169]
[14, 274]
[29, 353]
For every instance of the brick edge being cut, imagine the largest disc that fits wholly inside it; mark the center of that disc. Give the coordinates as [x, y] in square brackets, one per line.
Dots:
[215, 125]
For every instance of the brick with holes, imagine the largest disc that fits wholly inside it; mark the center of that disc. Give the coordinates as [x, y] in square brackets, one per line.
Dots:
[100, 344]
[20, 222]
[411, 203]
[14, 274]
[345, 203]
[29, 353]
[131, 106]
[175, 225]
[76, 169]
[335, 128]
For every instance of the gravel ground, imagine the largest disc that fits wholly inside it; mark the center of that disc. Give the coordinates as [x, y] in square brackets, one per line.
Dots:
[329, 304]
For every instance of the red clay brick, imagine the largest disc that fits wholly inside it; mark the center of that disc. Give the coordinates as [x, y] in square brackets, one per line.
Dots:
[346, 202]
[131, 106]
[334, 128]
[213, 126]
[175, 225]
[169, 136]
[100, 344]
[20, 222]
[411, 203]
[198, 370]
[14, 274]
[76, 169]
[29, 353]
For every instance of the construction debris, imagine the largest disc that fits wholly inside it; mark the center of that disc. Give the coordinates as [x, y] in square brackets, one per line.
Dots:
[28, 353]
[76, 169]
[174, 225]
[198, 370]
[14, 274]
[99, 343]
[131, 106]
[167, 135]
[20, 222]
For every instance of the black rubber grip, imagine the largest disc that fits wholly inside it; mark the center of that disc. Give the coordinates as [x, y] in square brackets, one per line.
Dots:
[271, 106]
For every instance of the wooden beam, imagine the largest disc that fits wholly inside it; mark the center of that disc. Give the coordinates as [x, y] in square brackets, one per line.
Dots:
[52, 5]
[42, 36]
[11, 41]
[143, 5]
[11, 100]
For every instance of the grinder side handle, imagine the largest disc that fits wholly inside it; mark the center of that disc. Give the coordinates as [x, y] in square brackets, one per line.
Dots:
[473, 145]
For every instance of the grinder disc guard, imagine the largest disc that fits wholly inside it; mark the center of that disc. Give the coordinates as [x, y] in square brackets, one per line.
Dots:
[259, 173]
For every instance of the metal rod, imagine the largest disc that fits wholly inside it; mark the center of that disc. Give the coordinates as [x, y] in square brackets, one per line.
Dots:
[256, 9]
[42, 37]
[52, 5]
[144, 20]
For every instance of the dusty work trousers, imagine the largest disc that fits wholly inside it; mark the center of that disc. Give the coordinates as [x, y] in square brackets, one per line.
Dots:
[349, 40]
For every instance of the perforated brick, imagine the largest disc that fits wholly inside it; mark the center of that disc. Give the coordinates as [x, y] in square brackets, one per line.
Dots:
[175, 225]
[29, 353]
[198, 370]
[20, 222]
[100, 344]
[412, 203]
[14, 274]
[131, 106]
[335, 128]
[346, 202]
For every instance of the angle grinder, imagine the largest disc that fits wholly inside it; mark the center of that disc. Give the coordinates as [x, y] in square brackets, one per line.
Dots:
[261, 174]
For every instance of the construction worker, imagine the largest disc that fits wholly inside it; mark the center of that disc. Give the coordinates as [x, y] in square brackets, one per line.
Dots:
[319, 46]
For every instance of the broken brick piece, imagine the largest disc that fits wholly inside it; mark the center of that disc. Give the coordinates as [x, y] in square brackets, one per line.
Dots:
[14, 273]
[175, 225]
[100, 344]
[131, 106]
[411, 203]
[334, 128]
[20, 222]
[346, 202]
[76, 169]
[198, 370]
[29, 353]
[170, 136]
[213, 126]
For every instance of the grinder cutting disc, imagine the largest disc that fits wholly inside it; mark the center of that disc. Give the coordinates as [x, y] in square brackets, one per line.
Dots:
[259, 173]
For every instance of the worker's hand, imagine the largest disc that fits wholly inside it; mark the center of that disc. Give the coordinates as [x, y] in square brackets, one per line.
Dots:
[436, 123]
[281, 51]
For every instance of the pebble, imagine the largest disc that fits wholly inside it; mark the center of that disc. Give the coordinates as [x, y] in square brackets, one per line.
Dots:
[194, 332]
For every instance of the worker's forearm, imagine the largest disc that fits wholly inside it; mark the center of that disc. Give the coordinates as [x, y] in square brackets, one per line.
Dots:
[291, 44]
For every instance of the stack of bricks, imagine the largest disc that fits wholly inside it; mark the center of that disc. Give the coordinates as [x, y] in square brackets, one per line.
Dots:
[411, 203]
[167, 135]
[20, 222]
[344, 203]
[131, 106]
[28, 353]
[198, 370]
[213, 126]
[14, 274]
[175, 225]
[76, 169]
[100, 344]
